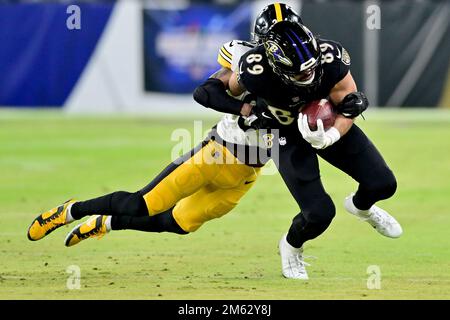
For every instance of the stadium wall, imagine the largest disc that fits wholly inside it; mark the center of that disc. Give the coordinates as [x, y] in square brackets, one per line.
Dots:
[113, 79]
[108, 66]
[41, 59]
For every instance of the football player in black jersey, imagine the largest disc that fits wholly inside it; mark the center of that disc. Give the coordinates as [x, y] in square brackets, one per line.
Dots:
[290, 69]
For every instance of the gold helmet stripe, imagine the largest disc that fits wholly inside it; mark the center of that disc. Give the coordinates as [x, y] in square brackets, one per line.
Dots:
[278, 12]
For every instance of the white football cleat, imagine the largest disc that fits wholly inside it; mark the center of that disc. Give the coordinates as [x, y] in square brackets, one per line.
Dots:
[382, 221]
[292, 263]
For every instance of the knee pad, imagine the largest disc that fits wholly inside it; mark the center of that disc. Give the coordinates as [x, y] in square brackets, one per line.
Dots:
[219, 209]
[192, 222]
[188, 180]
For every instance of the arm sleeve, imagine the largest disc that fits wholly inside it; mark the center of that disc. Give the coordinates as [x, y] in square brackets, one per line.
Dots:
[212, 94]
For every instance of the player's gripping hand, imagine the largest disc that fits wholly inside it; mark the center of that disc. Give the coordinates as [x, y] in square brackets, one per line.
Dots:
[259, 118]
[319, 139]
[353, 105]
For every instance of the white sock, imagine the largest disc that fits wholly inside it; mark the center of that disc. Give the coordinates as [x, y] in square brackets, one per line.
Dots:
[108, 223]
[69, 217]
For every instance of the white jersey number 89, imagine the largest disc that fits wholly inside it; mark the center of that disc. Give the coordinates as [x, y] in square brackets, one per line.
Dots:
[257, 68]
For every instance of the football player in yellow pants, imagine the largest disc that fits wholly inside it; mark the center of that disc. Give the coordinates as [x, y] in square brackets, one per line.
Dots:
[202, 185]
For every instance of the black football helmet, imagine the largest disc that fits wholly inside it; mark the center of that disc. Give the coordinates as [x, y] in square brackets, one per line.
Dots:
[270, 15]
[294, 54]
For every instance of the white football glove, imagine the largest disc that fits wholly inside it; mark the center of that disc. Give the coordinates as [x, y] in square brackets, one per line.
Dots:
[319, 139]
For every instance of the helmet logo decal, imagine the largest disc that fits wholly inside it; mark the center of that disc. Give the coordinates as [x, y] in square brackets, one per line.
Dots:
[262, 25]
[277, 53]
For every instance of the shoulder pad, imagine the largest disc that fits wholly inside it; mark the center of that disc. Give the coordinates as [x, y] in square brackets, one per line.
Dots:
[333, 51]
[225, 56]
[231, 52]
[241, 43]
[253, 68]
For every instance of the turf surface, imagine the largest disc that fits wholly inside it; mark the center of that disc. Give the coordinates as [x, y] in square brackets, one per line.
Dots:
[48, 157]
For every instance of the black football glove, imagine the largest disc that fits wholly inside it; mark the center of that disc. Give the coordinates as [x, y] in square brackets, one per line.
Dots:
[260, 118]
[353, 105]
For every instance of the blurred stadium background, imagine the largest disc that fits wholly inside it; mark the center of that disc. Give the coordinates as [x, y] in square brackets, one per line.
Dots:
[91, 110]
[141, 56]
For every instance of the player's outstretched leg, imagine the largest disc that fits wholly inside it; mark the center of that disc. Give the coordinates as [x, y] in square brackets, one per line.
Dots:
[292, 263]
[94, 227]
[376, 180]
[382, 221]
[50, 220]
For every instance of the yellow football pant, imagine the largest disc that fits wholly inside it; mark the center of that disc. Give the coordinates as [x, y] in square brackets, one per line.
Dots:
[205, 186]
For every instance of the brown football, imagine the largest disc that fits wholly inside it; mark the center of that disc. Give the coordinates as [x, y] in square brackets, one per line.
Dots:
[319, 109]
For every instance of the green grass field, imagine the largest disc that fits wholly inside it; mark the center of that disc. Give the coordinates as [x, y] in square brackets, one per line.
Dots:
[47, 157]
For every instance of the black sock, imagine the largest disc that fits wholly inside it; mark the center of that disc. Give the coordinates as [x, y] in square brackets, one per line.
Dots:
[296, 237]
[366, 196]
[363, 199]
[118, 203]
[162, 222]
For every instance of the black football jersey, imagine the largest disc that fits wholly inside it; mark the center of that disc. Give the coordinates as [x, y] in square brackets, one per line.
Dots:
[282, 100]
